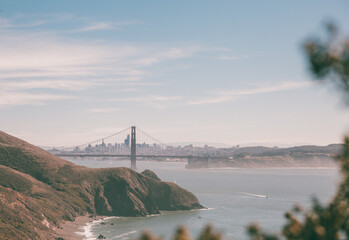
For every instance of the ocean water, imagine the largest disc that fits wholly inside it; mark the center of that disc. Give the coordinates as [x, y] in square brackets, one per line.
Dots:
[233, 198]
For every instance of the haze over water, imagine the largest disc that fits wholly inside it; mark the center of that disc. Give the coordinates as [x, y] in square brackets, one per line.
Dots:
[233, 198]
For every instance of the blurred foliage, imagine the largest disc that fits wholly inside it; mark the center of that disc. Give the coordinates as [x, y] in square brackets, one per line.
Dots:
[328, 59]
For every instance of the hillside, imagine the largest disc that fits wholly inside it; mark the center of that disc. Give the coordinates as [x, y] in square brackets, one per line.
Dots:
[300, 156]
[265, 157]
[38, 191]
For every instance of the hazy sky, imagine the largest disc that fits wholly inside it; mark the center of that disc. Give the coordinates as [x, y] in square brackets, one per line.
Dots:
[210, 71]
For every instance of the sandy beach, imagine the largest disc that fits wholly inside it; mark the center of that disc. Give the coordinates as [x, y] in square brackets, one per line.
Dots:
[69, 229]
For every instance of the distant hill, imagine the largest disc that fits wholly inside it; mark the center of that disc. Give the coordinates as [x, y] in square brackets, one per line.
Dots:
[38, 191]
[271, 151]
[266, 157]
[301, 156]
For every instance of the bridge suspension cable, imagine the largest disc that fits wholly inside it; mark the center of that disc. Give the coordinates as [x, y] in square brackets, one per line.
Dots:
[155, 140]
[99, 140]
[119, 143]
[125, 143]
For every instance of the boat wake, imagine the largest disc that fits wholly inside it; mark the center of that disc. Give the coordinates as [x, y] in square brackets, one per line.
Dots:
[124, 235]
[255, 195]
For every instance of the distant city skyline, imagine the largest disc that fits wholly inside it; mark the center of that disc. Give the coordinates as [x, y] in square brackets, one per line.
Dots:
[230, 72]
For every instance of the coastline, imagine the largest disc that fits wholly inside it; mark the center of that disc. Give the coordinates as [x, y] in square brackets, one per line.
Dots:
[265, 168]
[74, 230]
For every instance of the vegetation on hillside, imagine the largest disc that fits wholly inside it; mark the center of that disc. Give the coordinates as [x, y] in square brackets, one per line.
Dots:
[328, 59]
[38, 191]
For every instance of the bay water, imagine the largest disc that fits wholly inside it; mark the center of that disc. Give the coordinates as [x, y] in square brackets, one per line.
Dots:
[233, 199]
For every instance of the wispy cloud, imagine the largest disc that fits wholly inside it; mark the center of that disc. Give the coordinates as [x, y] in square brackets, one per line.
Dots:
[240, 57]
[267, 89]
[23, 21]
[28, 57]
[20, 98]
[45, 84]
[123, 90]
[7, 24]
[226, 96]
[151, 101]
[45, 61]
[127, 23]
[97, 26]
[166, 54]
[104, 110]
[31, 60]
[147, 99]
[216, 99]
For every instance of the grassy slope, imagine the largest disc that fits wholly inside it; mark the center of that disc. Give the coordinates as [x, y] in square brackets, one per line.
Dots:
[39, 190]
[29, 208]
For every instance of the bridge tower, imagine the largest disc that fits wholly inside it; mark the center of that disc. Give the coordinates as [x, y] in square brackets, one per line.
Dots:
[133, 147]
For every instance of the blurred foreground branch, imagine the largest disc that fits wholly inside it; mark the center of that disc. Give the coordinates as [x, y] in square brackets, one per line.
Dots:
[329, 58]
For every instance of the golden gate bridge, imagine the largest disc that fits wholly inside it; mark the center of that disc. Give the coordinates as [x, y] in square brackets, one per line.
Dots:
[132, 144]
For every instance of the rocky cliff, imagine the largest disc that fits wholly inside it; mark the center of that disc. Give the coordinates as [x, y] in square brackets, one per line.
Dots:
[39, 190]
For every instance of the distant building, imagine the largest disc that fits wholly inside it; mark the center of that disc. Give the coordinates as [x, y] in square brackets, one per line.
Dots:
[76, 149]
[89, 148]
[127, 141]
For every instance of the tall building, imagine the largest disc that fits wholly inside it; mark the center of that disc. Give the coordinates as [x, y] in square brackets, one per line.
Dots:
[127, 141]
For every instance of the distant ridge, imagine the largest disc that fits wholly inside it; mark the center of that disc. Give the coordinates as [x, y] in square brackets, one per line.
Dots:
[308, 156]
[281, 145]
[252, 144]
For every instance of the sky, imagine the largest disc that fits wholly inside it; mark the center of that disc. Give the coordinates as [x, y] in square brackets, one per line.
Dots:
[228, 72]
